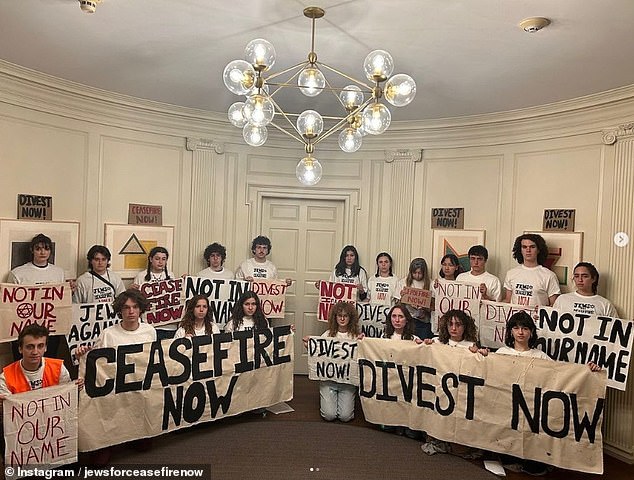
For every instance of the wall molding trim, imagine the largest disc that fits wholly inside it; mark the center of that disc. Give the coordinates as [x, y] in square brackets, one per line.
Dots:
[194, 144]
[610, 137]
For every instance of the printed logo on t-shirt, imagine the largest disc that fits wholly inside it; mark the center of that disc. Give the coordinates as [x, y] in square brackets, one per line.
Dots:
[586, 308]
[523, 293]
[381, 289]
[102, 294]
[35, 384]
[259, 272]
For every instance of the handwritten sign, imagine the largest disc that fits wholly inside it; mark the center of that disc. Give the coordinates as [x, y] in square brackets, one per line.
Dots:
[447, 218]
[331, 293]
[21, 305]
[166, 305]
[492, 321]
[222, 295]
[89, 320]
[333, 359]
[272, 294]
[559, 220]
[416, 297]
[35, 207]
[455, 296]
[145, 214]
[40, 427]
[372, 319]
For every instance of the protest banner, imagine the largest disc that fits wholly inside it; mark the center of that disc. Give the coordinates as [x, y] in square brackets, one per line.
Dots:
[451, 295]
[222, 295]
[40, 427]
[416, 297]
[492, 319]
[526, 407]
[21, 305]
[372, 319]
[331, 293]
[143, 390]
[166, 303]
[331, 358]
[582, 338]
[272, 294]
[89, 320]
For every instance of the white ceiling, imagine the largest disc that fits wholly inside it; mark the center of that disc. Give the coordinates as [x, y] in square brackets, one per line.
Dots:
[467, 56]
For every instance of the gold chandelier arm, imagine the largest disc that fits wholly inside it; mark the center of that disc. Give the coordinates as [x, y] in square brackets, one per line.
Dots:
[338, 125]
[279, 109]
[352, 79]
[287, 132]
[289, 69]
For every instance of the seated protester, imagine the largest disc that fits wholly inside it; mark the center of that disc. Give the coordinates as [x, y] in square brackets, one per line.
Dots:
[336, 400]
[197, 319]
[585, 299]
[38, 272]
[247, 314]
[215, 256]
[530, 283]
[98, 284]
[258, 266]
[490, 286]
[157, 272]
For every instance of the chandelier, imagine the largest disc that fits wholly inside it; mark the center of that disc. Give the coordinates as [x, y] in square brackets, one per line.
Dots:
[362, 112]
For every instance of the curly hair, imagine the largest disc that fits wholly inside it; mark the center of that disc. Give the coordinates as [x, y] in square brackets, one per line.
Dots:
[261, 240]
[188, 322]
[470, 329]
[259, 320]
[344, 308]
[131, 294]
[215, 248]
[520, 319]
[408, 330]
[542, 249]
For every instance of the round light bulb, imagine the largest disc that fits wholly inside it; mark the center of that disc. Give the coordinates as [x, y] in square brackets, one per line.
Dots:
[260, 53]
[376, 118]
[258, 110]
[254, 136]
[311, 81]
[308, 171]
[350, 140]
[351, 96]
[239, 77]
[378, 65]
[235, 115]
[400, 90]
[310, 123]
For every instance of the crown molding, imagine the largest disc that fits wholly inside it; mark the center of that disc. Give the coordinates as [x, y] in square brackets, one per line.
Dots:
[622, 132]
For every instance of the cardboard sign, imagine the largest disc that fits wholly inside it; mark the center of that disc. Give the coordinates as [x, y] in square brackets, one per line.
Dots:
[333, 359]
[145, 214]
[222, 295]
[89, 320]
[526, 407]
[144, 390]
[166, 302]
[272, 294]
[35, 207]
[447, 218]
[40, 427]
[331, 293]
[21, 305]
[559, 220]
[416, 297]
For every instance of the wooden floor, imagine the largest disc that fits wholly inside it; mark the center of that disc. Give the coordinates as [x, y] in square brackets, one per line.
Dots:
[306, 404]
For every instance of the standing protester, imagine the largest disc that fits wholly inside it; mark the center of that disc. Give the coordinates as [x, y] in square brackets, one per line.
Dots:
[585, 299]
[258, 266]
[215, 256]
[98, 284]
[490, 286]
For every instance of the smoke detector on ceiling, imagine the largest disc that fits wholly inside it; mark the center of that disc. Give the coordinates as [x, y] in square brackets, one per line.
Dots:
[533, 24]
[88, 6]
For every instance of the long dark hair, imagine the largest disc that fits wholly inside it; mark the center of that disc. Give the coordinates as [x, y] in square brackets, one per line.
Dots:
[340, 268]
[594, 274]
[454, 261]
[188, 322]
[259, 320]
[408, 330]
[520, 319]
[389, 257]
[470, 329]
[153, 252]
[542, 249]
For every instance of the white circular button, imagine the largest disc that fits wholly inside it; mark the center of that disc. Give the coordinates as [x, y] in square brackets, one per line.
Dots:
[621, 239]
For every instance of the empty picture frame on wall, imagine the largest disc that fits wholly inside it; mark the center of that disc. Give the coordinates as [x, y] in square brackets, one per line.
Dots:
[131, 244]
[564, 252]
[15, 242]
[457, 242]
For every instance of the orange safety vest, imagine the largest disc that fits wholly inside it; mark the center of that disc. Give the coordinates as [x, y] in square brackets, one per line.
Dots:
[17, 382]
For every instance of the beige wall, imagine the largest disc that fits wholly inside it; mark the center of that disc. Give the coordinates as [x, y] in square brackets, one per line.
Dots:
[95, 152]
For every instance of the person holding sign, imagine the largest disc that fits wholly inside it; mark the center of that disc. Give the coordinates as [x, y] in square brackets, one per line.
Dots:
[382, 286]
[197, 319]
[247, 314]
[418, 277]
[530, 283]
[490, 286]
[98, 284]
[349, 270]
[585, 300]
[157, 272]
[215, 256]
[258, 266]
[336, 400]
[450, 267]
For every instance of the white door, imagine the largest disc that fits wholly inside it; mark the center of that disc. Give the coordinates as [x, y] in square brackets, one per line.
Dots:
[307, 236]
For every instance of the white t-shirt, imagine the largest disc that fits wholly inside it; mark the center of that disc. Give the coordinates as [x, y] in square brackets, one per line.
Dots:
[117, 335]
[398, 336]
[531, 286]
[222, 273]
[347, 277]
[494, 287]
[590, 305]
[34, 378]
[180, 333]
[340, 335]
[251, 268]
[31, 274]
[91, 289]
[453, 343]
[247, 324]
[532, 353]
[382, 290]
